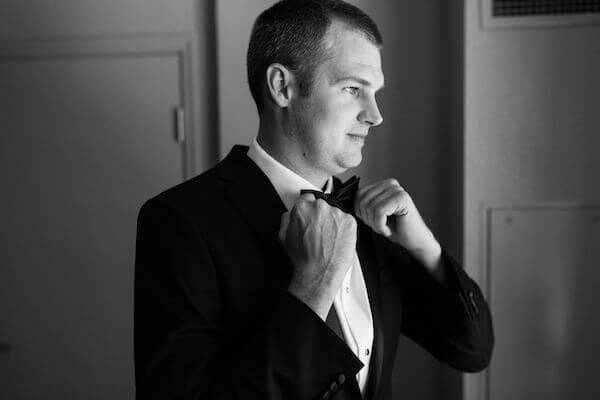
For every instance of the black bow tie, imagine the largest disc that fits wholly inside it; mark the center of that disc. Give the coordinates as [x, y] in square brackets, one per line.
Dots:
[342, 197]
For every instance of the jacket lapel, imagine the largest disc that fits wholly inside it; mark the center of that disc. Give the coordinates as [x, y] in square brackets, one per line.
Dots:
[368, 262]
[252, 194]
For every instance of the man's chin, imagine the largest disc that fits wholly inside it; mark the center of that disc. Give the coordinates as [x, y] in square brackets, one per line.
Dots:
[349, 162]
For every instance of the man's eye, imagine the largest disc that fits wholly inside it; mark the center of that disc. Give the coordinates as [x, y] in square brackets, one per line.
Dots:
[353, 90]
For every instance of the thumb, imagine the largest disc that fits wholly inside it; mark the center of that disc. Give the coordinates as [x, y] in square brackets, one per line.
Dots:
[382, 227]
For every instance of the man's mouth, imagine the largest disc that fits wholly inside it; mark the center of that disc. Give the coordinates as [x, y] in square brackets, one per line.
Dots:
[356, 136]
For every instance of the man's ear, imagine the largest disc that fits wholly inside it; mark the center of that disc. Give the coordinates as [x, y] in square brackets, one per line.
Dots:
[280, 82]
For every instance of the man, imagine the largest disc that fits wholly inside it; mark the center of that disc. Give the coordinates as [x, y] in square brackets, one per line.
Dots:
[248, 289]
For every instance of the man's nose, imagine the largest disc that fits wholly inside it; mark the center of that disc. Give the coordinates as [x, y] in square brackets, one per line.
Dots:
[370, 114]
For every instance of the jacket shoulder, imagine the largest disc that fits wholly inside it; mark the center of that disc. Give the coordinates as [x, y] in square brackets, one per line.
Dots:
[207, 188]
[193, 197]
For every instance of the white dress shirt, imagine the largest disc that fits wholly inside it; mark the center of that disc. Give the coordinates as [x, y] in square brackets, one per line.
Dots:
[351, 302]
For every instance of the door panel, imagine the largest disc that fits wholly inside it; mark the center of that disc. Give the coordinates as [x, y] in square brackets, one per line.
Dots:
[544, 276]
[84, 141]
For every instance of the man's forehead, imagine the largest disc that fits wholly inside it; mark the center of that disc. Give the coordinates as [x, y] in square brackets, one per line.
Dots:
[352, 54]
[351, 45]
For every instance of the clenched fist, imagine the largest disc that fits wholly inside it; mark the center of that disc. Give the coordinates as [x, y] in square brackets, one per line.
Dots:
[389, 210]
[321, 242]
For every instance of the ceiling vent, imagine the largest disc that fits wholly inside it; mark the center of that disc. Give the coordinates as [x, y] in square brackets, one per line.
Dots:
[539, 13]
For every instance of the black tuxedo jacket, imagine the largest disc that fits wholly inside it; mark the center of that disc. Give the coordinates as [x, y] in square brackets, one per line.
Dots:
[214, 319]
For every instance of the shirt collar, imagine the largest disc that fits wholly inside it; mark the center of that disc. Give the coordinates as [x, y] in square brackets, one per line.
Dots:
[286, 182]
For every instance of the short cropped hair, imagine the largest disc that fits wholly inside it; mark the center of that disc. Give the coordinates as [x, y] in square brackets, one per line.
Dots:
[291, 33]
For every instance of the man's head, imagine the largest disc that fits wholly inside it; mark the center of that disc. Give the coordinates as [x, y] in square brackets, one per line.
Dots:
[292, 33]
[314, 67]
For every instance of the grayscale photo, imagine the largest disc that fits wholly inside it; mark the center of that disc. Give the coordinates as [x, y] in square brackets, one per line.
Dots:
[299, 199]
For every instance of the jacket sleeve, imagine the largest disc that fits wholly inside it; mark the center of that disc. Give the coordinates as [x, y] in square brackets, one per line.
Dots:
[183, 351]
[451, 321]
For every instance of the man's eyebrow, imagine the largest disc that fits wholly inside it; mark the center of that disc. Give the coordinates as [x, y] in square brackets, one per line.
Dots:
[360, 80]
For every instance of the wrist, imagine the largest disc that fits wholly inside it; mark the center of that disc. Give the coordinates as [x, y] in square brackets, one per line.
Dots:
[316, 303]
[430, 256]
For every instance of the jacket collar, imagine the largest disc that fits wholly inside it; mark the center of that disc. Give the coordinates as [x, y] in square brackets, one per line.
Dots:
[252, 193]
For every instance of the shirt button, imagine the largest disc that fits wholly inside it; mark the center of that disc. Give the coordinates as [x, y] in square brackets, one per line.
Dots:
[341, 379]
[367, 352]
[347, 289]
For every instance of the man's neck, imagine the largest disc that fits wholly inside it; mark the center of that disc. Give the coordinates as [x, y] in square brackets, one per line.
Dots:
[289, 155]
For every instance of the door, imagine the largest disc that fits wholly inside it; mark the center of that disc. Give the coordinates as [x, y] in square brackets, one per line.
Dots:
[85, 138]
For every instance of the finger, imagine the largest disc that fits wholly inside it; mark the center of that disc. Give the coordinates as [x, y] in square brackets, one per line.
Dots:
[380, 184]
[366, 194]
[380, 225]
[370, 206]
[321, 203]
[308, 197]
[383, 196]
[379, 210]
[394, 202]
[301, 203]
[285, 222]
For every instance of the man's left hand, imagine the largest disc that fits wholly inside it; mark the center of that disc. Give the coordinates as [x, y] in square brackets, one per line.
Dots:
[389, 210]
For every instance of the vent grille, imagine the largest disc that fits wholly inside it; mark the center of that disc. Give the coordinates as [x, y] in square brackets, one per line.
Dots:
[530, 13]
[514, 8]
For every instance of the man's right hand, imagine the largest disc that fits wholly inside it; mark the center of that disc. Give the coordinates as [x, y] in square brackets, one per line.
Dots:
[321, 241]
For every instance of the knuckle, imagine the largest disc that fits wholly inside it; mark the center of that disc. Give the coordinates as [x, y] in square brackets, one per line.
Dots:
[321, 203]
[397, 189]
[349, 219]
[308, 196]
[404, 196]
[300, 206]
[353, 224]
[301, 200]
